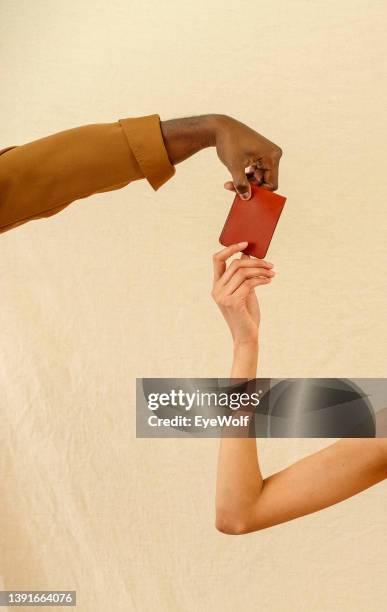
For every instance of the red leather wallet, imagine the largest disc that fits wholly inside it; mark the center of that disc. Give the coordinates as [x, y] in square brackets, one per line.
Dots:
[253, 220]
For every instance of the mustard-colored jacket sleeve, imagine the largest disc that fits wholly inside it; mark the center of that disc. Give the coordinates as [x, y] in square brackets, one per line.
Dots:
[42, 177]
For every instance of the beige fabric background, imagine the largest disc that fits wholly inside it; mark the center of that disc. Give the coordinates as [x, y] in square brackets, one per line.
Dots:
[117, 286]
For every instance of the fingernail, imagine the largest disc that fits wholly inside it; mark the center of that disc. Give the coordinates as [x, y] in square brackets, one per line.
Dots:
[243, 245]
[245, 196]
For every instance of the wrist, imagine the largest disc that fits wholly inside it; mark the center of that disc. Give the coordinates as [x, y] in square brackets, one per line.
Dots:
[245, 339]
[246, 345]
[185, 137]
[213, 124]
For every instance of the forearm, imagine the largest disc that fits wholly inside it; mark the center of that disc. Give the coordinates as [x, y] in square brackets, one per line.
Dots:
[245, 360]
[185, 137]
[239, 480]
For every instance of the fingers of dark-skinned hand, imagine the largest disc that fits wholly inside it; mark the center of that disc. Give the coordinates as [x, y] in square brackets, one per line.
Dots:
[263, 172]
[254, 175]
[241, 182]
[270, 179]
[258, 176]
[270, 165]
[239, 146]
[219, 259]
[229, 185]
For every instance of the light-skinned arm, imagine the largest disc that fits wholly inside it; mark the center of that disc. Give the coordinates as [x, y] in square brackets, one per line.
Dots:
[245, 500]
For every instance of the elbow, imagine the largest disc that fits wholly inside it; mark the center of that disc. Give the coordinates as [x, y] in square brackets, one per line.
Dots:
[231, 524]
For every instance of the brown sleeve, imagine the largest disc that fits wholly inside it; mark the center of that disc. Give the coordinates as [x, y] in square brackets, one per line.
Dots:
[42, 177]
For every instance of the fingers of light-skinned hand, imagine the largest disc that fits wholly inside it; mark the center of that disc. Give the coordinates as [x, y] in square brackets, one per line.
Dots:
[226, 299]
[243, 262]
[243, 274]
[249, 285]
[219, 259]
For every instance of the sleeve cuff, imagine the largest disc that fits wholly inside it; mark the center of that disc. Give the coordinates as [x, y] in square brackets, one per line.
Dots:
[146, 142]
[7, 149]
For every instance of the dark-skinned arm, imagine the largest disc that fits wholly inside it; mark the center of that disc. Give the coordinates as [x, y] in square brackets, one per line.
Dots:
[40, 178]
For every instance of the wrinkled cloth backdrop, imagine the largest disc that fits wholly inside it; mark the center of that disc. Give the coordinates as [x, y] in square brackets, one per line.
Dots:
[118, 286]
